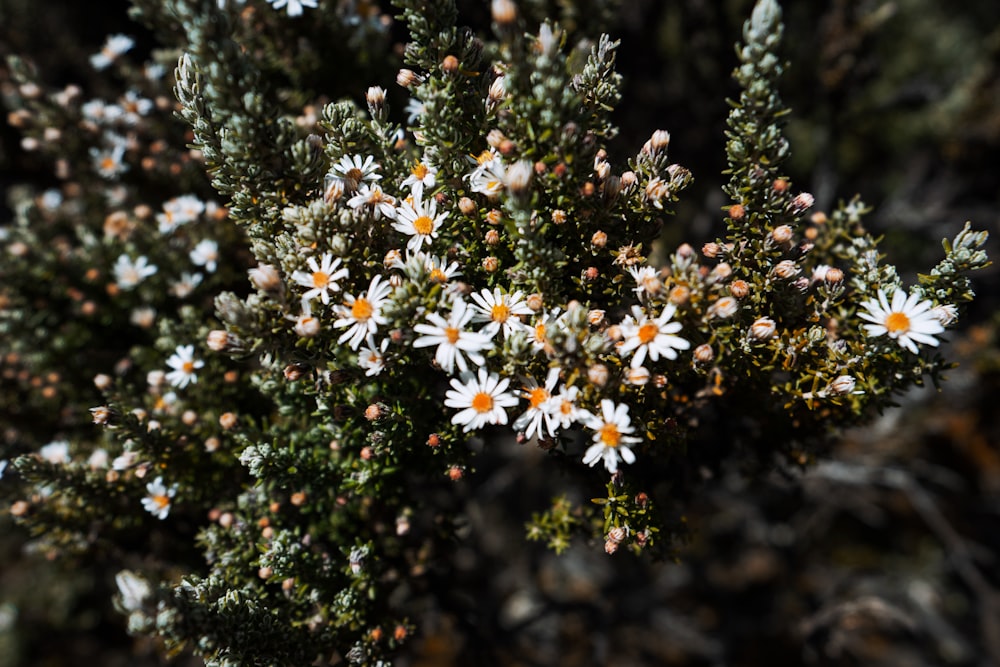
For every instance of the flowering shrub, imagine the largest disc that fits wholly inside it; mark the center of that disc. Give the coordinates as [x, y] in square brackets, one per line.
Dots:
[477, 272]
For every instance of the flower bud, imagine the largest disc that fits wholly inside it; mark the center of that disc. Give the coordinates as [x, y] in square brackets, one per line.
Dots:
[763, 329]
[450, 64]
[802, 202]
[265, 278]
[490, 264]
[504, 11]
[781, 234]
[711, 250]
[786, 269]
[637, 376]
[598, 375]
[843, 384]
[704, 353]
[407, 77]
[466, 206]
[724, 307]
[599, 239]
[739, 288]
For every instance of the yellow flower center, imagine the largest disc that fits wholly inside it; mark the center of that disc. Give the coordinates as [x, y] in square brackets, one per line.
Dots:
[540, 333]
[482, 402]
[500, 312]
[361, 309]
[188, 367]
[321, 279]
[897, 322]
[161, 501]
[419, 170]
[566, 407]
[610, 435]
[484, 157]
[537, 396]
[647, 332]
[423, 225]
[451, 333]
[438, 276]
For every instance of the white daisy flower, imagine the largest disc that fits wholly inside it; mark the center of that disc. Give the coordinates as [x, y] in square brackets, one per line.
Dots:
[295, 7]
[55, 452]
[186, 284]
[419, 221]
[134, 590]
[158, 501]
[654, 337]
[540, 332]
[115, 46]
[483, 400]
[539, 419]
[414, 110]
[362, 314]
[110, 160]
[647, 281]
[184, 365]
[128, 274]
[907, 320]
[206, 254]
[453, 342]
[372, 196]
[322, 278]
[372, 357]
[501, 310]
[421, 175]
[563, 408]
[439, 270]
[179, 211]
[488, 177]
[355, 170]
[611, 436]
[134, 107]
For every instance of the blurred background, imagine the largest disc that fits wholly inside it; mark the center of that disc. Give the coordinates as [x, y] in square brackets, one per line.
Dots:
[885, 553]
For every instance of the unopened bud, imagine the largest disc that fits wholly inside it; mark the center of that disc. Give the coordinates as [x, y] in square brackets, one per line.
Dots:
[781, 234]
[763, 329]
[704, 353]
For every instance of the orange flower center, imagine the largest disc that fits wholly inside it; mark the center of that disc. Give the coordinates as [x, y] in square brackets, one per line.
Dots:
[647, 332]
[423, 225]
[188, 366]
[566, 407]
[321, 279]
[438, 276]
[540, 333]
[482, 402]
[610, 435]
[537, 396]
[451, 333]
[361, 309]
[500, 312]
[108, 163]
[419, 170]
[161, 501]
[897, 322]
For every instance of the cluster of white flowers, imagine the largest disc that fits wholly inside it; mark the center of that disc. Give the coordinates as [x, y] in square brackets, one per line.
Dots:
[466, 328]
